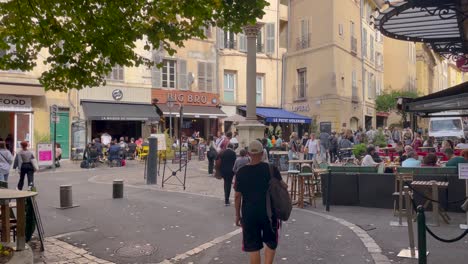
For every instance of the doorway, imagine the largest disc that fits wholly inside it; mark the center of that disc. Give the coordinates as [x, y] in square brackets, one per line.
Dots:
[368, 122]
[63, 132]
[353, 123]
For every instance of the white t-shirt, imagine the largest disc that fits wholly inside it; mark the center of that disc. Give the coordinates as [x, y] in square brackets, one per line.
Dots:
[462, 145]
[368, 161]
[234, 141]
[313, 146]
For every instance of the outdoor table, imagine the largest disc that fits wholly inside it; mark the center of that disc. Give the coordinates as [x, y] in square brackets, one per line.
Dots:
[386, 149]
[426, 149]
[432, 188]
[5, 196]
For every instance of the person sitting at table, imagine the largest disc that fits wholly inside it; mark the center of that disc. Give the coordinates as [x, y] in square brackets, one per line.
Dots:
[455, 160]
[430, 142]
[411, 160]
[375, 156]
[417, 142]
[132, 147]
[446, 144]
[114, 152]
[368, 160]
[462, 144]
[430, 160]
[404, 156]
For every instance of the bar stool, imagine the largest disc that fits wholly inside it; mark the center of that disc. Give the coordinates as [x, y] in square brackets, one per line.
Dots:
[306, 189]
[293, 177]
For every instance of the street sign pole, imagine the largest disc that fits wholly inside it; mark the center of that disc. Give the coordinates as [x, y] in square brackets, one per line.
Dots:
[54, 119]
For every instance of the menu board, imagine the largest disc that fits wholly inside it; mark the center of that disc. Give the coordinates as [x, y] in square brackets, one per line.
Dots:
[44, 154]
[201, 151]
[161, 141]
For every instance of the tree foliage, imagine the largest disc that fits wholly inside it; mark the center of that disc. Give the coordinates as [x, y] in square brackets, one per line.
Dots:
[387, 101]
[85, 38]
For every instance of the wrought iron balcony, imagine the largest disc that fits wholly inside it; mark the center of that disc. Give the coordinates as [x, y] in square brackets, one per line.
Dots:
[303, 42]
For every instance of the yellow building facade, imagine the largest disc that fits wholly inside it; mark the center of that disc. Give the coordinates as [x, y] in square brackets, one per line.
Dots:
[332, 54]
[25, 109]
[232, 59]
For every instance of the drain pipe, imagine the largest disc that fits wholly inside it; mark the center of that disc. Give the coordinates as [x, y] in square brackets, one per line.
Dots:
[361, 13]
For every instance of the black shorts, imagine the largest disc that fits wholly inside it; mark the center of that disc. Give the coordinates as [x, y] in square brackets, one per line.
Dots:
[255, 232]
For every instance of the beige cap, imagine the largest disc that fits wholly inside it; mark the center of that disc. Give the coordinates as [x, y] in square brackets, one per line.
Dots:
[255, 147]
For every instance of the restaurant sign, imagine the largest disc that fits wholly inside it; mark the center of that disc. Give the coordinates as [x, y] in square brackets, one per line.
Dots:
[300, 108]
[15, 104]
[185, 97]
[287, 120]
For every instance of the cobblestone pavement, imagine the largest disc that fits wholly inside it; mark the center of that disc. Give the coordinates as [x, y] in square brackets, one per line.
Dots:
[59, 252]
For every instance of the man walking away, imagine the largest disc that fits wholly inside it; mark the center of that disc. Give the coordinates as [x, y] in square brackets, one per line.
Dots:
[227, 159]
[324, 145]
[333, 147]
[252, 182]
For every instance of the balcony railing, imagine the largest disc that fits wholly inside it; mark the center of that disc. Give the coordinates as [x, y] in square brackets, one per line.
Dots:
[354, 45]
[301, 91]
[303, 42]
[260, 48]
[230, 44]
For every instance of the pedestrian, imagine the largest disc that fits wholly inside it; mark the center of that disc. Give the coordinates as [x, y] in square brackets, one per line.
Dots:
[9, 143]
[312, 147]
[241, 161]
[211, 155]
[24, 162]
[293, 153]
[324, 145]
[252, 182]
[417, 142]
[234, 141]
[227, 158]
[6, 159]
[304, 140]
[226, 141]
[333, 147]
[58, 154]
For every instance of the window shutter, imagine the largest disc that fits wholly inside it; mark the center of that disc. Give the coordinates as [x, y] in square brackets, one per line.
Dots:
[182, 75]
[120, 69]
[209, 77]
[242, 42]
[201, 76]
[155, 71]
[220, 39]
[270, 38]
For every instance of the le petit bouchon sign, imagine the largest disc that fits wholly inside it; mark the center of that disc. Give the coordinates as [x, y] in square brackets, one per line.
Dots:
[185, 97]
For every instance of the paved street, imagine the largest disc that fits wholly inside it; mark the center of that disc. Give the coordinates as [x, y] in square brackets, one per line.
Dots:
[151, 225]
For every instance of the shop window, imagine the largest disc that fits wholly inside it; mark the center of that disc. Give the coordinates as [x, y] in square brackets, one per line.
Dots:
[117, 73]
[205, 76]
[229, 87]
[260, 86]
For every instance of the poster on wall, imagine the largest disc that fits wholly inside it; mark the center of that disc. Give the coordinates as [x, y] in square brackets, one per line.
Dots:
[44, 154]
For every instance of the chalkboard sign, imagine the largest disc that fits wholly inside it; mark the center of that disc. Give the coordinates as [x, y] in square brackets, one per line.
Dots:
[201, 151]
[37, 218]
[325, 127]
[180, 157]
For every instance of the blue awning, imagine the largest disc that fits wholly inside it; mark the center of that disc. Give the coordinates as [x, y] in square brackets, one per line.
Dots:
[278, 115]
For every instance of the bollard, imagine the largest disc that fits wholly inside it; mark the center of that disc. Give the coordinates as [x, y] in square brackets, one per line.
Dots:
[66, 200]
[409, 221]
[117, 189]
[422, 249]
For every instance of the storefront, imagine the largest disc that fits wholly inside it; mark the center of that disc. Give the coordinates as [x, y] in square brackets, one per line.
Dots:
[16, 120]
[280, 122]
[118, 119]
[201, 111]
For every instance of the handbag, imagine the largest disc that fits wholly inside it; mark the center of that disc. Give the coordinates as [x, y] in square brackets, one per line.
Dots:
[294, 156]
[35, 165]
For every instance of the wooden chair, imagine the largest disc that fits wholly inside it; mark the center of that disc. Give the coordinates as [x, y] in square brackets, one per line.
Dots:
[293, 177]
[399, 194]
[306, 186]
[4, 185]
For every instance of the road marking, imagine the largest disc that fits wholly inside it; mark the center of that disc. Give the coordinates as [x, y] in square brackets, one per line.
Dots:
[201, 248]
[374, 250]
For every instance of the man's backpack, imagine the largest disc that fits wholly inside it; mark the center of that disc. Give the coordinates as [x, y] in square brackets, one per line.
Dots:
[278, 200]
[84, 164]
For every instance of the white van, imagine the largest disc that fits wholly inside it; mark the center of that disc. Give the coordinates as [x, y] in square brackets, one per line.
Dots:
[446, 127]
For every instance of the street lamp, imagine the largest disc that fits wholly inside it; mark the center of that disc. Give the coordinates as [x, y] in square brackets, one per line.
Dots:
[170, 104]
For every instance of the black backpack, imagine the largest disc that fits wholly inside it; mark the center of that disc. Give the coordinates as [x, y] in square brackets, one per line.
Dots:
[84, 164]
[278, 200]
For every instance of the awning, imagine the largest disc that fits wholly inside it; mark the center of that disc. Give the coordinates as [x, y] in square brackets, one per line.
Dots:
[439, 23]
[451, 99]
[234, 118]
[194, 111]
[278, 115]
[23, 89]
[116, 111]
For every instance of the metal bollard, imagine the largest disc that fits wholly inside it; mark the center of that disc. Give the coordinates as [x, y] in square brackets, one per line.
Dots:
[66, 200]
[117, 189]
[422, 247]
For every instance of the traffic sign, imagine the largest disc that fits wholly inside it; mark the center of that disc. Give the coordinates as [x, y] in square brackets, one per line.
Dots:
[54, 108]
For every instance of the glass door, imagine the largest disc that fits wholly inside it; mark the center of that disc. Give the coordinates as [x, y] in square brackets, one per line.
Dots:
[23, 129]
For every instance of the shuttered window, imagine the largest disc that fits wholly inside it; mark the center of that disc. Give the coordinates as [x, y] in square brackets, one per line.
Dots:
[270, 38]
[205, 76]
